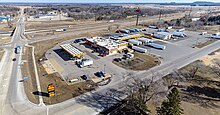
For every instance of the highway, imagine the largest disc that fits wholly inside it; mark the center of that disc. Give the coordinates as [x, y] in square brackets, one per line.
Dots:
[13, 100]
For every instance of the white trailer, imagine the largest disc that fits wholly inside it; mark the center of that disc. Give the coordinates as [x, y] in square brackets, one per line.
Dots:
[73, 80]
[216, 36]
[181, 30]
[136, 48]
[162, 35]
[153, 27]
[134, 42]
[203, 33]
[60, 30]
[157, 46]
[170, 27]
[145, 40]
[86, 63]
[179, 34]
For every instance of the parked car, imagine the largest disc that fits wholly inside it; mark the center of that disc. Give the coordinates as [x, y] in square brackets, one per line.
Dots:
[85, 77]
[102, 55]
[14, 59]
[78, 40]
[103, 73]
[98, 74]
[117, 59]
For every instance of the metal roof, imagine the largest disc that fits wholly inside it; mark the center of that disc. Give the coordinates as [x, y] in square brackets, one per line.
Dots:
[71, 49]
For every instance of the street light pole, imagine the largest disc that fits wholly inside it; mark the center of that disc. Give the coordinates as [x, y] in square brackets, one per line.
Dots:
[104, 68]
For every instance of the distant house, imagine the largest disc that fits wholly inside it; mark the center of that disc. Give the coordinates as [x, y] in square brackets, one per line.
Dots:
[195, 19]
[52, 13]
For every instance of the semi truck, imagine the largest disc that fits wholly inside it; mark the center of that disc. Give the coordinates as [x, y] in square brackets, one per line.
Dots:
[17, 49]
[86, 63]
[136, 48]
[216, 36]
[157, 46]
[134, 42]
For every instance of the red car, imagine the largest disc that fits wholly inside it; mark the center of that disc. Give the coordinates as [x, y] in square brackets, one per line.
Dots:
[102, 55]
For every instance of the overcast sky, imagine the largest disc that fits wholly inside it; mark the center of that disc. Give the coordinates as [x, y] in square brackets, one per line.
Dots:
[105, 1]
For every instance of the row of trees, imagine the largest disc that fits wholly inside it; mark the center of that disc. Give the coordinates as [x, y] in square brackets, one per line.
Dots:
[186, 21]
[97, 11]
[139, 92]
[9, 10]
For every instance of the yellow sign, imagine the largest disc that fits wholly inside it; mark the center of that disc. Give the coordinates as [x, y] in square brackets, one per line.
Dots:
[51, 90]
[51, 94]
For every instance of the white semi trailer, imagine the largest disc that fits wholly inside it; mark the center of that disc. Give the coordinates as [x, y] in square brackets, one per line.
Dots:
[136, 48]
[86, 63]
[134, 42]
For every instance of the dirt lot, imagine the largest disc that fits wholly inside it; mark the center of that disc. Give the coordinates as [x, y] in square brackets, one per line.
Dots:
[61, 87]
[1, 53]
[139, 62]
[201, 45]
[4, 27]
[62, 90]
[5, 39]
[52, 23]
[210, 29]
[27, 70]
[200, 94]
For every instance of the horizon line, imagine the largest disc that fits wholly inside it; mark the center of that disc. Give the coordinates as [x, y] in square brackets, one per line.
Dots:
[109, 2]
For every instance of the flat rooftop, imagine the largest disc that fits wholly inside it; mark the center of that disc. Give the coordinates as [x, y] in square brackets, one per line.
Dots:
[105, 42]
[71, 49]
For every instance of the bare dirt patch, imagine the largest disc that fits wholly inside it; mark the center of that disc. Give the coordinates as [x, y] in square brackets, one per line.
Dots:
[63, 91]
[27, 70]
[1, 53]
[139, 62]
[5, 39]
[201, 45]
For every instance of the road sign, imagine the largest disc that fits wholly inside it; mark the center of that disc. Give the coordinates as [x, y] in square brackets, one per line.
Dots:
[51, 90]
[51, 94]
[25, 78]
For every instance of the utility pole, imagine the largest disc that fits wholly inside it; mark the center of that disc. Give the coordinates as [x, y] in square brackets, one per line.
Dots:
[190, 12]
[138, 12]
[159, 15]
[59, 14]
[104, 68]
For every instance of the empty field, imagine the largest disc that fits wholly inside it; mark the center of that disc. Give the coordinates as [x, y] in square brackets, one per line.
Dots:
[139, 62]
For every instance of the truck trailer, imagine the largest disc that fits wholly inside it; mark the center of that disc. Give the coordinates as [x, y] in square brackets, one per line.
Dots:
[86, 63]
[134, 42]
[145, 40]
[157, 46]
[139, 49]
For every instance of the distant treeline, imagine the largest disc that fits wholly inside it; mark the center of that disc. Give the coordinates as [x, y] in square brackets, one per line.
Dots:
[97, 11]
[8, 10]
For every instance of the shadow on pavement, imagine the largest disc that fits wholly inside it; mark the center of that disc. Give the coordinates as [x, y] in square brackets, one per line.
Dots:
[64, 55]
[41, 93]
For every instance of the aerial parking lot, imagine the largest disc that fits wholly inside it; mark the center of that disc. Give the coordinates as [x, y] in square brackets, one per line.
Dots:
[108, 53]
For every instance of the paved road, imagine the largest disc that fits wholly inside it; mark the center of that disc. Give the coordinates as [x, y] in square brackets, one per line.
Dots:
[14, 101]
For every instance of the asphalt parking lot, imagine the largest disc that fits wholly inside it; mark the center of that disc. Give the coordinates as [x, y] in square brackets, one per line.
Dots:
[174, 50]
[71, 70]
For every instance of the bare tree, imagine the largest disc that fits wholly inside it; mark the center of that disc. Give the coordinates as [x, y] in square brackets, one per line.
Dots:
[216, 67]
[174, 78]
[139, 91]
